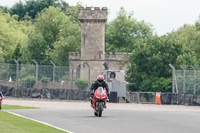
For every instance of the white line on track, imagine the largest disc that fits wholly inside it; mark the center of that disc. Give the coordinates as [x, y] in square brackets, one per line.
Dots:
[39, 121]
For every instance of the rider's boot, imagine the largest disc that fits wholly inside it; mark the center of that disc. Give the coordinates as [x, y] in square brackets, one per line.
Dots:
[91, 103]
[105, 105]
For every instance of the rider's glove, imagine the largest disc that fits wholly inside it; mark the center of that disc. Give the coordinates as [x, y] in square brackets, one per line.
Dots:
[92, 94]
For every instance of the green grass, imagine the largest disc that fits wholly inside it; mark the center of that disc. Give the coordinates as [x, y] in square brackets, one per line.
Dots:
[10, 123]
[5, 106]
[15, 124]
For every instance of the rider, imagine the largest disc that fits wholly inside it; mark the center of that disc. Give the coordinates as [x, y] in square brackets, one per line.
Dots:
[99, 83]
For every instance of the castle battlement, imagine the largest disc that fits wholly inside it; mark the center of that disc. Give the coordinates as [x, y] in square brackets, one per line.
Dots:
[74, 56]
[117, 56]
[92, 14]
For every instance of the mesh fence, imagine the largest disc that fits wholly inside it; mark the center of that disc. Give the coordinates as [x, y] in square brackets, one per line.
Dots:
[146, 97]
[187, 81]
[7, 74]
[37, 76]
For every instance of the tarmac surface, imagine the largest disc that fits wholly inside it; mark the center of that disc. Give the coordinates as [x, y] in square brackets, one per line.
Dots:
[78, 116]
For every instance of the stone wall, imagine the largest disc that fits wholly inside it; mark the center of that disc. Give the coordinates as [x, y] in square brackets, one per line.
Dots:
[90, 13]
[117, 56]
[74, 56]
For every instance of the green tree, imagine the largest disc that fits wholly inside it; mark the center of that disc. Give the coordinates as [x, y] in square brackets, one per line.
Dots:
[189, 35]
[72, 12]
[17, 53]
[12, 33]
[33, 7]
[124, 32]
[150, 63]
[18, 9]
[53, 37]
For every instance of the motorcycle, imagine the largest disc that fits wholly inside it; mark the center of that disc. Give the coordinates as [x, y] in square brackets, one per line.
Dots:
[1, 98]
[99, 101]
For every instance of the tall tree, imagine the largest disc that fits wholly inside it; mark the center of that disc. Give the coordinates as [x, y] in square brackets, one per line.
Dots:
[149, 69]
[124, 32]
[189, 35]
[33, 7]
[11, 34]
[53, 30]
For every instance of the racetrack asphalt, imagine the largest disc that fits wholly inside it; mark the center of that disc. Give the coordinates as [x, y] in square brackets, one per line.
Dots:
[117, 121]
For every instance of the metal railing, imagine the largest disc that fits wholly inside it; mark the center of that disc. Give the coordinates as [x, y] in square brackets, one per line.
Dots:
[185, 81]
[142, 97]
[37, 76]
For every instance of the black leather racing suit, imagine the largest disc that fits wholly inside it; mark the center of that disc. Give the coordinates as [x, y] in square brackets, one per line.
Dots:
[96, 84]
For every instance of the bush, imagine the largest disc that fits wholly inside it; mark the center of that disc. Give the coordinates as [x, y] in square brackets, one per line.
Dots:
[81, 83]
[28, 81]
[45, 80]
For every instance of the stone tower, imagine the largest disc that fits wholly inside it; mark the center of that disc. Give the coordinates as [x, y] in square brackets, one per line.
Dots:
[92, 39]
[92, 33]
[93, 60]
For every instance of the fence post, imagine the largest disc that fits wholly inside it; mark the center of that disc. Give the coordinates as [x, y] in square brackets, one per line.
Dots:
[36, 74]
[138, 99]
[174, 82]
[54, 70]
[183, 78]
[195, 76]
[72, 76]
[17, 71]
[78, 71]
[88, 73]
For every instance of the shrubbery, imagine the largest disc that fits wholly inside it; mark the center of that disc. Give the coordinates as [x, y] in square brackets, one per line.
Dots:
[45, 80]
[28, 81]
[81, 83]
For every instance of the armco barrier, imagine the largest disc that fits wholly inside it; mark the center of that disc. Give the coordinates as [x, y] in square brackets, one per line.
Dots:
[196, 100]
[180, 99]
[45, 93]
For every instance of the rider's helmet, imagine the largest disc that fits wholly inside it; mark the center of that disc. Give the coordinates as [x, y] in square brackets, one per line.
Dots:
[100, 79]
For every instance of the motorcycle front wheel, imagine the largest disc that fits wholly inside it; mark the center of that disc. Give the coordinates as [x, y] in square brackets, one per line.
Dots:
[100, 109]
[95, 113]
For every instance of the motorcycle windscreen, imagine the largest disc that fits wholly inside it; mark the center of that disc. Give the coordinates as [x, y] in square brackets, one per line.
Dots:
[100, 91]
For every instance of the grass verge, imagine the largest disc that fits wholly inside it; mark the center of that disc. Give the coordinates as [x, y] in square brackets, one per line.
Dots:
[5, 106]
[10, 123]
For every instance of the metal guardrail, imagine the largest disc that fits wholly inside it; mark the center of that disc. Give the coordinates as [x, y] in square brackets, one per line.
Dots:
[142, 97]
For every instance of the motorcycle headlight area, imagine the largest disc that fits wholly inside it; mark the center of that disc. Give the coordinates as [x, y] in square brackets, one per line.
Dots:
[100, 98]
[97, 97]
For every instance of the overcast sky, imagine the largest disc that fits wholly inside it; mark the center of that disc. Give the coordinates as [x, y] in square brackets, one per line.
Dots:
[164, 15]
